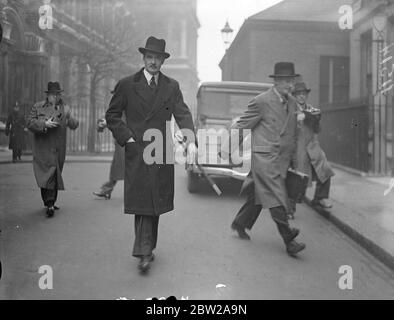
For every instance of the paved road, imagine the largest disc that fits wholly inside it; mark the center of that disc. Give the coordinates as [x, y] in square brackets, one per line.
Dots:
[88, 245]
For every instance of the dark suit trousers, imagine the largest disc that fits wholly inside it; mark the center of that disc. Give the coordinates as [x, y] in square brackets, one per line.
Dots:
[322, 190]
[49, 196]
[16, 153]
[248, 214]
[146, 230]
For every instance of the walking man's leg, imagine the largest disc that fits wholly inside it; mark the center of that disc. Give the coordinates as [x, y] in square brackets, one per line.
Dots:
[322, 193]
[106, 189]
[49, 197]
[146, 233]
[279, 215]
[246, 216]
[14, 155]
[108, 186]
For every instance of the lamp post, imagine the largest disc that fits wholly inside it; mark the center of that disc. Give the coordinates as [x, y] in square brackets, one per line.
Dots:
[379, 22]
[227, 34]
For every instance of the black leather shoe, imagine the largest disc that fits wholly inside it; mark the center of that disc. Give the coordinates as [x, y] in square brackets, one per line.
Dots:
[50, 212]
[241, 231]
[323, 203]
[294, 247]
[56, 208]
[293, 234]
[102, 194]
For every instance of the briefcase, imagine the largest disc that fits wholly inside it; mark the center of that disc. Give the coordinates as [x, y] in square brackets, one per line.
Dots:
[296, 184]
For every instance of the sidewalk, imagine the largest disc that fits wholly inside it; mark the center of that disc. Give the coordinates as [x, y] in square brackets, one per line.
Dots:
[363, 212]
[6, 157]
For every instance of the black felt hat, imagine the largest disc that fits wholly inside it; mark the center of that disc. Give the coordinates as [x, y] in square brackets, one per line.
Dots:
[54, 87]
[156, 46]
[300, 87]
[284, 69]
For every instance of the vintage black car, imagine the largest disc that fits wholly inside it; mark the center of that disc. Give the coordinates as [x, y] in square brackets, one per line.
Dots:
[219, 104]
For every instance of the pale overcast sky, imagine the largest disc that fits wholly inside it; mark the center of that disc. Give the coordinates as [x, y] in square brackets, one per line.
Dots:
[212, 15]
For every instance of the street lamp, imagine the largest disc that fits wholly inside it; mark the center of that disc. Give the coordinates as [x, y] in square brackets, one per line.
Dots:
[227, 33]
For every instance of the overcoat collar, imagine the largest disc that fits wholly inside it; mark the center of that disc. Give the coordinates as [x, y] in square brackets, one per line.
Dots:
[280, 109]
[58, 105]
[143, 90]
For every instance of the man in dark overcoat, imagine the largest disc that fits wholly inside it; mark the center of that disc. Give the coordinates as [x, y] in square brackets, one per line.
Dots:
[271, 117]
[15, 128]
[149, 99]
[49, 120]
[311, 158]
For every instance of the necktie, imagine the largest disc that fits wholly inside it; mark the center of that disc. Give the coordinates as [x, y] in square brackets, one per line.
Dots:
[152, 83]
[285, 103]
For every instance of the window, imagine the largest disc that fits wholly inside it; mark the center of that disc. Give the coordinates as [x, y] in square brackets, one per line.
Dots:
[334, 79]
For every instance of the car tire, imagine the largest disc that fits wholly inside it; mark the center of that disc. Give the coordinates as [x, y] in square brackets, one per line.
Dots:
[192, 182]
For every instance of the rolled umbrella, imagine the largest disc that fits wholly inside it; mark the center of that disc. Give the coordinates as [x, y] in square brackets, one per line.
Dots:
[204, 174]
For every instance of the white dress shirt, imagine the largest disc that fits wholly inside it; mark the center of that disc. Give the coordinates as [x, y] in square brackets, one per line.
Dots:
[148, 77]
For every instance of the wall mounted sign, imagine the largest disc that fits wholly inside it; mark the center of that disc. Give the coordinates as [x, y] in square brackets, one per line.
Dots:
[386, 69]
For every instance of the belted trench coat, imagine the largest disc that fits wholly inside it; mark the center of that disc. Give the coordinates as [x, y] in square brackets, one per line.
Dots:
[49, 145]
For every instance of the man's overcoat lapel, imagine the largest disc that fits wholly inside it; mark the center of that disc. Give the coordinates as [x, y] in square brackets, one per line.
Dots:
[162, 93]
[143, 90]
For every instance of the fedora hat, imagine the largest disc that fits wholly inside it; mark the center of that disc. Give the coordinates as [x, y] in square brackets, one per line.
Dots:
[54, 87]
[284, 69]
[156, 46]
[301, 86]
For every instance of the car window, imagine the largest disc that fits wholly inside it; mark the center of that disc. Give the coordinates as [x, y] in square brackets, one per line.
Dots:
[223, 105]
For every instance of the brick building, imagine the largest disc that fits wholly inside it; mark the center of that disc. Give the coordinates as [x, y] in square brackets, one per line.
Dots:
[350, 71]
[305, 32]
[372, 85]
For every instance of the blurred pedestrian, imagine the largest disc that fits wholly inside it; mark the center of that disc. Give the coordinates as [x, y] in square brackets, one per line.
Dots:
[271, 116]
[49, 120]
[149, 99]
[311, 158]
[15, 128]
[116, 172]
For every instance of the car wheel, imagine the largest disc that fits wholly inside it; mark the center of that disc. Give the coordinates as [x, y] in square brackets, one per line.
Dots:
[192, 181]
